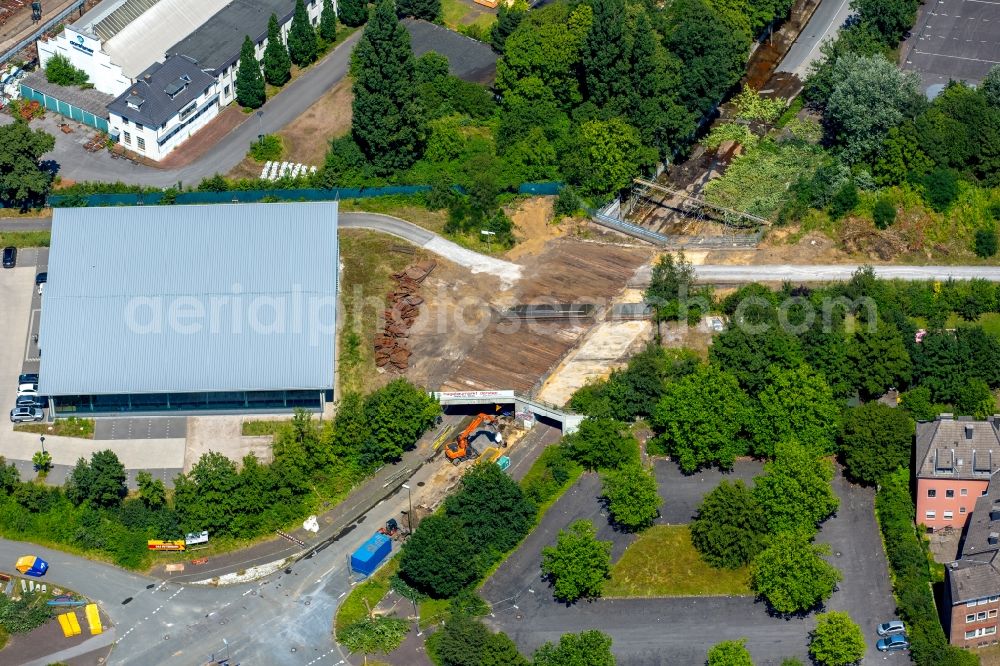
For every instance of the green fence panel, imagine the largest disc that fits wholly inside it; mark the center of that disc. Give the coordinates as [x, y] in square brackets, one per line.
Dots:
[539, 188]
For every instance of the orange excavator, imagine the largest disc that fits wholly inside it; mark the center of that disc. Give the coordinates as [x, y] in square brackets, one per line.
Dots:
[461, 449]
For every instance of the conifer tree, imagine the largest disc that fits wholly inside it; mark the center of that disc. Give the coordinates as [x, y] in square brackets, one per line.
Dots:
[604, 55]
[429, 10]
[352, 12]
[389, 121]
[277, 64]
[249, 82]
[328, 22]
[302, 45]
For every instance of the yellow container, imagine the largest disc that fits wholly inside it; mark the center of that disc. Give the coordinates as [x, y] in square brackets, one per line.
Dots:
[93, 619]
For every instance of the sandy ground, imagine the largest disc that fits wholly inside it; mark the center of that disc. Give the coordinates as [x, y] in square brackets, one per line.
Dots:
[307, 138]
[535, 227]
[605, 348]
[222, 435]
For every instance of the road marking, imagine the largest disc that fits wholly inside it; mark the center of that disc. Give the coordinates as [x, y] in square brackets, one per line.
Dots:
[341, 594]
[943, 55]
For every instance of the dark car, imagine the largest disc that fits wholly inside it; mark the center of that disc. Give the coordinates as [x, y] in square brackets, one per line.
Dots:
[9, 257]
[893, 643]
[27, 378]
[32, 401]
[42, 277]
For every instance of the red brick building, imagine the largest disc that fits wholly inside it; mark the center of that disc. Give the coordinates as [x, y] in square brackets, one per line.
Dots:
[955, 461]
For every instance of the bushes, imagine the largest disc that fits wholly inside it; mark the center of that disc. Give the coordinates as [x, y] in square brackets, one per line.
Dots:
[549, 475]
[884, 213]
[986, 243]
[60, 71]
[267, 149]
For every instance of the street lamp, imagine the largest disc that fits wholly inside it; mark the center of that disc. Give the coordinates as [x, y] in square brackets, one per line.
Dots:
[260, 126]
[409, 515]
[488, 235]
[42, 438]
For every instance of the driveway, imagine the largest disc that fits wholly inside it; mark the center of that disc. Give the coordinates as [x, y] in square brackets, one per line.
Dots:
[823, 26]
[681, 630]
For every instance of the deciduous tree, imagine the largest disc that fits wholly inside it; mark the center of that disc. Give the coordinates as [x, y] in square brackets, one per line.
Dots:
[578, 564]
[485, 488]
[388, 123]
[604, 56]
[509, 16]
[878, 349]
[795, 404]
[890, 18]
[302, 46]
[730, 653]
[730, 529]
[632, 496]
[439, 558]
[277, 64]
[602, 443]
[588, 648]
[398, 414]
[466, 641]
[837, 640]
[876, 440]
[249, 82]
[795, 494]
[152, 492]
[606, 155]
[23, 181]
[792, 576]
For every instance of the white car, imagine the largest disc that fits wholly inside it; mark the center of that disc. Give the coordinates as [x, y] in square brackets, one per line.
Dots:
[27, 388]
[21, 414]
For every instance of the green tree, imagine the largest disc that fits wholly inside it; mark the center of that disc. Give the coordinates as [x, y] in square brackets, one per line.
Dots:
[101, 482]
[940, 189]
[328, 22]
[429, 10]
[374, 634]
[388, 123]
[353, 13]
[578, 564]
[673, 293]
[302, 46]
[702, 417]
[975, 399]
[632, 496]
[870, 95]
[795, 493]
[604, 57]
[152, 492]
[750, 356]
[985, 245]
[484, 488]
[23, 181]
[730, 529]
[602, 443]
[249, 81]
[917, 401]
[277, 64]
[890, 18]
[9, 477]
[884, 213]
[878, 348]
[206, 497]
[588, 648]
[509, 16]
[876, 440]
[837, 640]
[42, 461]
[438, 558]
[398, 414]
[730, 653]
[990, 85]
[606, 155]
[901, 159]
[792, 576]
[844, 200]
[796, 404]
[466, 641]
[60, 71]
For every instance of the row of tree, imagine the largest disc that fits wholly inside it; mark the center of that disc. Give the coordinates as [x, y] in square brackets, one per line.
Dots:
[94, 512]
[836, 641]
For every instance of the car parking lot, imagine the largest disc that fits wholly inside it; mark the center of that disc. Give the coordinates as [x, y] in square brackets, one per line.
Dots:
[17, 296]
[954, 39]
[680, 630]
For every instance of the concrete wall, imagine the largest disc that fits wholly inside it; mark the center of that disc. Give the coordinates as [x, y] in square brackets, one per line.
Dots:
[85, 53]
[959, 507]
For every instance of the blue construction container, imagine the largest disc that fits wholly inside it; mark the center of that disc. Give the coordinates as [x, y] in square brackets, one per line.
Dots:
[366, 559]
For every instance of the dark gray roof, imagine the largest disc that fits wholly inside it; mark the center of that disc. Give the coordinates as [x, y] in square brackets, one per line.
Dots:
[88, 99]
[469, 60]
[962, 448]
[973, 578]
[984, 523]
[216, 44]
[150, 91]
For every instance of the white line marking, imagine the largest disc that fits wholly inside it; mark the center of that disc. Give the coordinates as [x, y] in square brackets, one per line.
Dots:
[943, 55]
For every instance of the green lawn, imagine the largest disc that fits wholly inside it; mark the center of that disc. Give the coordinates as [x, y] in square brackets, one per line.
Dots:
[259, 428]
[663, 563]
[25, 238]
[69, 427]
[372, 591]
[990, 322]
[454, 13]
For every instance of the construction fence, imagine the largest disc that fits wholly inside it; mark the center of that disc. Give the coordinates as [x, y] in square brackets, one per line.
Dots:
[255, 196]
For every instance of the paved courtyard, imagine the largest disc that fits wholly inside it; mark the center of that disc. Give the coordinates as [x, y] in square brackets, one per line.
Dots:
[681, 630]
[954, 39]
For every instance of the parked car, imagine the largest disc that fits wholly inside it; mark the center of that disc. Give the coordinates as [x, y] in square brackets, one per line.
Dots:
[28, 378]
[893, 643]
[9, 257]
[42, 277]
[891, 627]
[27, 388]
[32, 401]
[22, 414]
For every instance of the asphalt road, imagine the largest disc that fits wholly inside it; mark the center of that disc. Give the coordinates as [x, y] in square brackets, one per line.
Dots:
[649, 632]
[824, 273]
[824, 24]
[956, 40]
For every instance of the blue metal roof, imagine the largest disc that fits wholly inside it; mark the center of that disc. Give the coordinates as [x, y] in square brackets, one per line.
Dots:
[155, 299]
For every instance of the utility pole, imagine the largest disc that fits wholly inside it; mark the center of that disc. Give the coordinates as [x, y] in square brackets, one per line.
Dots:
[489, 235]
[409, 515]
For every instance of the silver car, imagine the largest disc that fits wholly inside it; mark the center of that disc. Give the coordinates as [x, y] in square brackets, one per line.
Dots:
[22, 414]
[891, 627]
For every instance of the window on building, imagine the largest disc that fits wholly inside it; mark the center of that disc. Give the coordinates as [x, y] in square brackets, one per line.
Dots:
[970, 618]
[981, 615]
[949, 493]
[930, 515]
[990, 630]
[138, 126]
[141, 143]
[124, 121]
[983, 601]
[948, 515]
[931, 492]
[226, 91]
[970, 634]
[964, 492]
[127, 138]
[970, 604]
[961, 509]
[315, 21]
[993, 613]
[993, 600]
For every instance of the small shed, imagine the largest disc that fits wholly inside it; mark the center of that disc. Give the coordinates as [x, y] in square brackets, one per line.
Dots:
[371, 554]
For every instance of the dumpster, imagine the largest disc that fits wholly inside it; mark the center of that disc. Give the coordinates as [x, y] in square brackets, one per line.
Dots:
[32, 565]
[372, 553]
[503, 462]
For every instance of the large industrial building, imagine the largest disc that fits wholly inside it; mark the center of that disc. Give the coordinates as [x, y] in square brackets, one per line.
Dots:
[123, 44]
[216, 308]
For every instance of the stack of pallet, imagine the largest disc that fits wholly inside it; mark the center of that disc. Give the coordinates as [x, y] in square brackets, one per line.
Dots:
[391, 347]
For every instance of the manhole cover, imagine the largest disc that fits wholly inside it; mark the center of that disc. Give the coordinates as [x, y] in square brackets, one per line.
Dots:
[519, 617]
[420, 484]
[166, 637]
[294, 649]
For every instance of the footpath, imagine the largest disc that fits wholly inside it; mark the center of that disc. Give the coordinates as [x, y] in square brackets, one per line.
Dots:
[334, 523]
